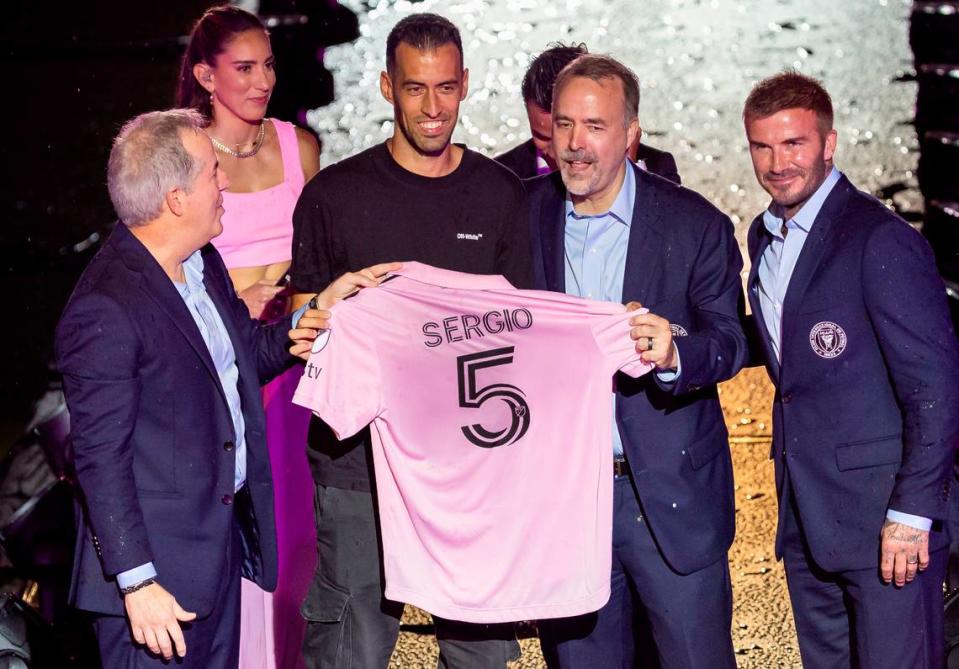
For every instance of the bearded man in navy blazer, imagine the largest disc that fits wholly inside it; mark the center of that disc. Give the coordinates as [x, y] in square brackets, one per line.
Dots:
[852, 323]
[162, 368]
[605, 229]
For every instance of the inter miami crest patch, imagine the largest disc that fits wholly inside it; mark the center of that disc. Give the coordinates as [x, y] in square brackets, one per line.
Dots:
[827, 339]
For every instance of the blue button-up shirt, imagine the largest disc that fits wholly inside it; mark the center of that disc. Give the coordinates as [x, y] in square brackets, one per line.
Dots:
[595, 252]
[776, 267]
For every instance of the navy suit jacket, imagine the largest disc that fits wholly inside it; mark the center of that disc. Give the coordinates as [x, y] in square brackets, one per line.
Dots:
[522, 161]
[152, 433]
[683, 263]
[872, 420]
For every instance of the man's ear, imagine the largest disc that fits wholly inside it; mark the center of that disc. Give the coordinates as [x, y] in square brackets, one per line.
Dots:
[829, 146]
[204, 76]
[386, 86]
[174, 201]
[632, 133]
[466, 83]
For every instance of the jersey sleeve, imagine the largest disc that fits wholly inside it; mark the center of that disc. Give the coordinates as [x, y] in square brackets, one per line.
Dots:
[611, 333]
[341, 381]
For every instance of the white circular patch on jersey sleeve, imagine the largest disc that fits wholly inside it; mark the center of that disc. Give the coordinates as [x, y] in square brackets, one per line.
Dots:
[320, 342]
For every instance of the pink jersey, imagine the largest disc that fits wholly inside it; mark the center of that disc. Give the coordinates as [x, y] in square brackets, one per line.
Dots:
[490, 410]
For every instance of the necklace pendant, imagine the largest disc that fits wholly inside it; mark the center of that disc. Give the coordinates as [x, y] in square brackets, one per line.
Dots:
[257, 143]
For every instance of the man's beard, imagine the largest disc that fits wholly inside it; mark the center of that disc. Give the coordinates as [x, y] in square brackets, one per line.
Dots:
[578, 184]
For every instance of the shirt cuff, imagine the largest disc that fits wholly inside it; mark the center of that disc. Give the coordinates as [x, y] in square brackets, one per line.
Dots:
[299, 313]
[917, 522]
[136, 575]
[670, 375]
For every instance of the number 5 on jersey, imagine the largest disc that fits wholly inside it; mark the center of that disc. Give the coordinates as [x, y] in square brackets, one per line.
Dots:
[473, 397]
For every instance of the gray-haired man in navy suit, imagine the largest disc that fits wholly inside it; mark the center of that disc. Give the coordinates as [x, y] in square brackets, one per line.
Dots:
[162, 367]
[603, 228]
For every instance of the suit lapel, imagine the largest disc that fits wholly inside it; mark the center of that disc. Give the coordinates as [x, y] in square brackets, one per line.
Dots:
[157, 285]
[645, 241]
[752, 292]
[552, 223]
[811, 255]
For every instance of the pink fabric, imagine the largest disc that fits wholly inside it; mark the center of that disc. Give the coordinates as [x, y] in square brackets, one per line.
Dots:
[286, 428]
[258, 227]
[490, 411]
[257, 649]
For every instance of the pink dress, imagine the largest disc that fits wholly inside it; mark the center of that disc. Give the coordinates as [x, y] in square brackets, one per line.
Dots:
[258, 230]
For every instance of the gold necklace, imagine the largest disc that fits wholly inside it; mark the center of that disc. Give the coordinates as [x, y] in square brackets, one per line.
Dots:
[257, 143]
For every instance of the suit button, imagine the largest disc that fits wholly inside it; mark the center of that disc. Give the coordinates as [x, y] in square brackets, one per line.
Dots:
[227, 499]
[787, 398]
[228, 446]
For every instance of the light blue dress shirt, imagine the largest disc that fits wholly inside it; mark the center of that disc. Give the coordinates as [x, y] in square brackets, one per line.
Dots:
[218, 343]
[595, 260]
[776, 267]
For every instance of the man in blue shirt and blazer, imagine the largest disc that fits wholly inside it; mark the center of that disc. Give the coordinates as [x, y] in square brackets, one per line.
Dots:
[162, 368]
[605, 229]
[852, 323]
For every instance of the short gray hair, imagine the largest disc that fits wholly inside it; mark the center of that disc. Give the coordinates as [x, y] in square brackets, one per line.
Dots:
[148, 159]
[599, 67]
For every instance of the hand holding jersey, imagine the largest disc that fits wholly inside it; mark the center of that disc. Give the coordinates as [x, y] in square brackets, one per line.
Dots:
[654, 338]
[315, 320]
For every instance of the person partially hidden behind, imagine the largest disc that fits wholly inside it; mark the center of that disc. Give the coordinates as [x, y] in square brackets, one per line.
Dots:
[162, 366]
[535, 156]
[852, 324]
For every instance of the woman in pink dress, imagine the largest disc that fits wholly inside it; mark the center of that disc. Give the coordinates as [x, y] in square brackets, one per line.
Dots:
[228, 75]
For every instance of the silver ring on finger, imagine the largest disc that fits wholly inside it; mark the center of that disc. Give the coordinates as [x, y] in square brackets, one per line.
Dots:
[649, 343]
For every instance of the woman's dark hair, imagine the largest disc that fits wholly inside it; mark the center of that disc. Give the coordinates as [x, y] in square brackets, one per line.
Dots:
[208, 39]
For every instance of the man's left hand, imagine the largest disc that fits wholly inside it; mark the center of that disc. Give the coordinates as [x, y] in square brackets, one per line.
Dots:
[904, 552]
[654, 339]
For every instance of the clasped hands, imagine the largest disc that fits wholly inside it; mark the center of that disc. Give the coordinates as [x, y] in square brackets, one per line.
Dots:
[314, 321]
[653, 337]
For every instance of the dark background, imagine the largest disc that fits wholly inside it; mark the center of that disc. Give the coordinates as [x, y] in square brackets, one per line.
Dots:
[77, 72]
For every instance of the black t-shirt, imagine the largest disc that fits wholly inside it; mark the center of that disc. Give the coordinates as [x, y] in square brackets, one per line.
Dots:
[367, 210]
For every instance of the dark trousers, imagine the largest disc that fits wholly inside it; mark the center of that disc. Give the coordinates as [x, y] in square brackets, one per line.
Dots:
[852, 619]
[350, 625]
[212, 642]
[690, 615]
